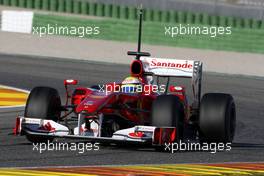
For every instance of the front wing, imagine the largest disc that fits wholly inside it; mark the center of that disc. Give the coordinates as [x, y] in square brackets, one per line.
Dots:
[138, 135]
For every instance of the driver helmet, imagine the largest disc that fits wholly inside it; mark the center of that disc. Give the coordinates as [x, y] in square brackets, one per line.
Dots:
[129, 85]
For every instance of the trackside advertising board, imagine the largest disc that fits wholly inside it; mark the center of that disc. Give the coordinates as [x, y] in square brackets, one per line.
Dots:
[16, 21]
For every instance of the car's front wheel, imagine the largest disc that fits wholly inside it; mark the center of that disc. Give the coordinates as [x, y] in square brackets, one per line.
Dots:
[168, 111]
[43, 103]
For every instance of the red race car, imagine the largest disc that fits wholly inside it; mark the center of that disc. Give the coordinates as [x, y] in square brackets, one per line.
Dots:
[138, 110]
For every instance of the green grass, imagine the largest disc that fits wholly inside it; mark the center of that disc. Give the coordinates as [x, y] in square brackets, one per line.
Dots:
[241, 39]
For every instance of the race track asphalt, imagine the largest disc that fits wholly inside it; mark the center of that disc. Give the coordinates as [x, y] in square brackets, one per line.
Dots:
[27, 72]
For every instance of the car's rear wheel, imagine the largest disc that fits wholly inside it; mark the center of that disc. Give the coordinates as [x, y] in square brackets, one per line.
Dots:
[43, 103]
[217, 120]
[168, 111]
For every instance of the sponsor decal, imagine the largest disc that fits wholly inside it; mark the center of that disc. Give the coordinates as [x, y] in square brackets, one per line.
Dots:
[145, 128]
[168, 67]
[170, 64]
[33, 121]
[47, 127]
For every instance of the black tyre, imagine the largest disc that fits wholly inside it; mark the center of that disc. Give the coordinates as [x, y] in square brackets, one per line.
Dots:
[43, 103]
[217, 120]
[168, 111]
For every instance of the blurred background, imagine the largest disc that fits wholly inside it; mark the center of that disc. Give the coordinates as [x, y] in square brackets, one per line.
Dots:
[237, 8]
[117, 20]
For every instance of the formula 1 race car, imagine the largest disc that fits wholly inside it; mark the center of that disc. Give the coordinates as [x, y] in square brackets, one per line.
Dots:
[138, 110]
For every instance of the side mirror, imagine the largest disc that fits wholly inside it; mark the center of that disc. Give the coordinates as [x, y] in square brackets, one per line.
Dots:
[70, 82]
[66, 83]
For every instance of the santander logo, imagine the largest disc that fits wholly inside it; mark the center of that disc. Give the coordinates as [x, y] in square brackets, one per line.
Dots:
[170, 64]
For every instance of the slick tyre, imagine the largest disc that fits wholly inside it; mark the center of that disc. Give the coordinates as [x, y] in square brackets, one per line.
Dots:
[217, 120]
[43, 103]
[168, 111]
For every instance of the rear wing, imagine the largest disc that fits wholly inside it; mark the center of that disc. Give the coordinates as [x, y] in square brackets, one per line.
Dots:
[171, 67]
[176, 68]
